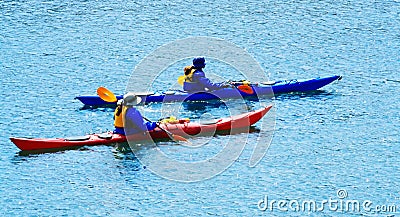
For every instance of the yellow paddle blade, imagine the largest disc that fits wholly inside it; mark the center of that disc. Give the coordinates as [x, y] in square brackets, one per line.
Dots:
[181, 79]
[246, 89]
[106, 94]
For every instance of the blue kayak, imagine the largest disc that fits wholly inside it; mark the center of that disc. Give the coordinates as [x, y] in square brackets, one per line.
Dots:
[260, 89]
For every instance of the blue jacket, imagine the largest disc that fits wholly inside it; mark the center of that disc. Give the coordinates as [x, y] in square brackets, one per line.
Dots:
[134, 123]
[199, 82]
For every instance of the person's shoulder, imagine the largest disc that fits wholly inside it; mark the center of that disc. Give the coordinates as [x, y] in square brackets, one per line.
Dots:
[131, 109]
[199, 72]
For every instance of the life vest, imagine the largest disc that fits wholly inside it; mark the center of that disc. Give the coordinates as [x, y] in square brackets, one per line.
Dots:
[189, 77]
[118, 119]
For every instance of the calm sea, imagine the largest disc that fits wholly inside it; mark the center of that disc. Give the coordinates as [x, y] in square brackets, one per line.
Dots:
[338, 144]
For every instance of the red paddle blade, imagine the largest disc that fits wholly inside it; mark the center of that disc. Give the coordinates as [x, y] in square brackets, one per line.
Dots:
[245, 89]
[106, 94]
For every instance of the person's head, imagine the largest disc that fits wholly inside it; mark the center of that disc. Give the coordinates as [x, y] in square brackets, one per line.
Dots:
[187, 69]
[199, 62]
[130, 99]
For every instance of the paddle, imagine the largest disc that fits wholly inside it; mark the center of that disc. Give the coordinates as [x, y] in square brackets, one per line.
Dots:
[109, 96]
[244, 88]
[172, 136]
[249, 83]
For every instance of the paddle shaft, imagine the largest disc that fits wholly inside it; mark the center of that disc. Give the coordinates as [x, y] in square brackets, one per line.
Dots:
[174, 137]
[158, 125]
[254, 83]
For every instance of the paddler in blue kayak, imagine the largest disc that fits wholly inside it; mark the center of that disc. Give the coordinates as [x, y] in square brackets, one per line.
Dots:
[196, 80]
[133, 121]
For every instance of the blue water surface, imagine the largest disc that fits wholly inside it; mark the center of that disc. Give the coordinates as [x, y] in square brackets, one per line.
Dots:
[344, 137]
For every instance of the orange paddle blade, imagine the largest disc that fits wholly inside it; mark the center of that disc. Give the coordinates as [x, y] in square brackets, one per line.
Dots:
[106, 94]
[245, 89]
[179, 138]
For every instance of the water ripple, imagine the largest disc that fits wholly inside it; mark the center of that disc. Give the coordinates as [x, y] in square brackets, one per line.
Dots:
[342, 137]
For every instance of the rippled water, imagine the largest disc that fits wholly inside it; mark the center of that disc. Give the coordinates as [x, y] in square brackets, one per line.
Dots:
[344, 137]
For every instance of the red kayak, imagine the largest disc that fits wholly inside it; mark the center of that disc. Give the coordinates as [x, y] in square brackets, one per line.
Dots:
[184, 129]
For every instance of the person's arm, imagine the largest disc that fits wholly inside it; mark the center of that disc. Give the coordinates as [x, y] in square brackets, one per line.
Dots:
[135, 120]
[201, 78]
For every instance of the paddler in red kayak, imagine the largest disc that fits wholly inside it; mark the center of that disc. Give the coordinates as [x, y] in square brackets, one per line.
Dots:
[196, 80]
[133, 121]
